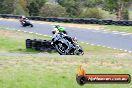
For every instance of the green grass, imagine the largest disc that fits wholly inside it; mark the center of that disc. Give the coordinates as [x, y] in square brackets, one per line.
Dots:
[130, 15]
[119, 28]
[58, 72]
[13, 41]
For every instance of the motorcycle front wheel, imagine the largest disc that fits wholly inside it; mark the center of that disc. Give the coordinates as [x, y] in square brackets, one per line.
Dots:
[31, 25]
[61, 48]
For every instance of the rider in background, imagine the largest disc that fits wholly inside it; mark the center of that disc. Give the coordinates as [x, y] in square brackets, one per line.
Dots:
[23, 19]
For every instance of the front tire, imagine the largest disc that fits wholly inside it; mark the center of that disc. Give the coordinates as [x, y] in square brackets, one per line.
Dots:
[60, 47]
[31, 25]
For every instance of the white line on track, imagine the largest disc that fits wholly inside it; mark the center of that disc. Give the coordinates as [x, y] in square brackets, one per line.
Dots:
[31, 32]
[103, 46]
[126, 34]
[39, 34]
[25, 31]
[114, 48]
[45, 35]
[114, 31]
[92, 44]
[121, 49]
[97, 29]
[82, 42]
[126, 50]
[41, 23]
[106, 32]
[98, 45]
[108, 47]
[36, 33]
[122, 32]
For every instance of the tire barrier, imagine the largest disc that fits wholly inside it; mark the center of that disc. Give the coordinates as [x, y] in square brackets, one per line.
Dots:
[40, 45]
[74, 20]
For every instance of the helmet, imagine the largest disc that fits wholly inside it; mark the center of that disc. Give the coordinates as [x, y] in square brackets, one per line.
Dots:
[61, 29]
[23, 17]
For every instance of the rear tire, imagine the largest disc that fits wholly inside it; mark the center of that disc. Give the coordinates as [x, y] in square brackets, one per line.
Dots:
[79, 50]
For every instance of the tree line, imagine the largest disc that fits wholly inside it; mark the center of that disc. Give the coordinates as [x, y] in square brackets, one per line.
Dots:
[68, 8]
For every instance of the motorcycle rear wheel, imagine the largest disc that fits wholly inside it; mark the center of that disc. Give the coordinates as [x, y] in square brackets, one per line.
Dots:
[79, 50]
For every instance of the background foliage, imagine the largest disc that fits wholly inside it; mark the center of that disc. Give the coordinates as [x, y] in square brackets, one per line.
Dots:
[119, 9]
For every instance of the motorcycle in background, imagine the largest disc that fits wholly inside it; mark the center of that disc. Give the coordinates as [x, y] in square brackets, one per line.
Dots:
[26, 22]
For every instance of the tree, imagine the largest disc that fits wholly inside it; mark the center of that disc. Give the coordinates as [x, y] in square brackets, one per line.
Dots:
[73, 7]
[35, 6]
[92, 3]
[14, 7]
[52, 10]
[117, 7]
[92, 13]
[20, 7]
[23, 4]
[7, 6]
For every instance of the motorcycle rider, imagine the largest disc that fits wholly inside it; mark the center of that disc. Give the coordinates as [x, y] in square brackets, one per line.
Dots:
[23, 19]
[59, 29]
[72, 48]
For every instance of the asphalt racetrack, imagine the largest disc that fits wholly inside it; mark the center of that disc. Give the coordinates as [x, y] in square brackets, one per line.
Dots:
[98, 37]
